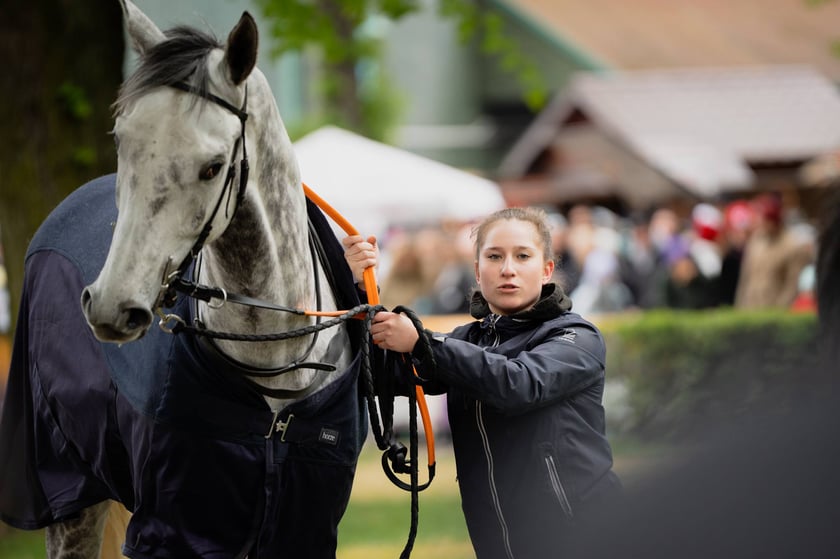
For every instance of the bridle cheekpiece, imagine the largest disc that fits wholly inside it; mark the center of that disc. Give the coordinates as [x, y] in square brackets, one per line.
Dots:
[173, 282]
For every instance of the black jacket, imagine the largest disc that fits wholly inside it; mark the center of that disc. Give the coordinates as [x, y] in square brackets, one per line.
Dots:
[528, 428]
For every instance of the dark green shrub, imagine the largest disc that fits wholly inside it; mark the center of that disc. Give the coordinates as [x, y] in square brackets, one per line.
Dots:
[678, 371]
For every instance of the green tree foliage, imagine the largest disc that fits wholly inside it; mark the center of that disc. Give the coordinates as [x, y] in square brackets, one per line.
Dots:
[336, 29]
[488, 26]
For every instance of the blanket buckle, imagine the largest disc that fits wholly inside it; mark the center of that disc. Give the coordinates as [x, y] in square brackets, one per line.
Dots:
[278, 425]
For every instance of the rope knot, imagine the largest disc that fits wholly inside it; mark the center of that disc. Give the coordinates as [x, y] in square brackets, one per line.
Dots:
[397, 453]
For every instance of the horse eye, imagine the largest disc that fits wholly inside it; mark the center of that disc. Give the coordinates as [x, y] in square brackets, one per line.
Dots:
[210, 172]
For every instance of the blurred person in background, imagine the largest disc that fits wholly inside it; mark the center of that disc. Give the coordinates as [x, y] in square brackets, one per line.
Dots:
[705, 248]
[567, 269]
[524, 385]
[601, 289]
[664, 230]
[578, 235]
[642, 266]
[596, 244]
[705, 240]
[686, 287]
[455, 281]
[738, 221]
[416, 258]
[695, 262]
[774, 256]
[805, 300]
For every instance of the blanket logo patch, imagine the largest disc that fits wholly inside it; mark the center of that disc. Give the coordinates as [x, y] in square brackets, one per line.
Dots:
[328, 436]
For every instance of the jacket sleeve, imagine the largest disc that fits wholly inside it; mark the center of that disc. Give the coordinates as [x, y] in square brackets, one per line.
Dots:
[564, 362]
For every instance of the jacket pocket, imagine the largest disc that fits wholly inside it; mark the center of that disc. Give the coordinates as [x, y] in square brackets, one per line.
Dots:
[556, 485]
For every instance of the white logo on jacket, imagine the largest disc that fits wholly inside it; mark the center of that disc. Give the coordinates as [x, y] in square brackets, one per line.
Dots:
[568, 336]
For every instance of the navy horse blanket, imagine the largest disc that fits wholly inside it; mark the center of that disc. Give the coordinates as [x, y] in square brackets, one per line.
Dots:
[178, 439]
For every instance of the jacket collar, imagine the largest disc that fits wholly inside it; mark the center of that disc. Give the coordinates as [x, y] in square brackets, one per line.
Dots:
[551, 303]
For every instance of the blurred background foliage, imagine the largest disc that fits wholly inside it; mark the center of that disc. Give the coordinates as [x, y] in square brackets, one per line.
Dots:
[673, 373]
[345, 34]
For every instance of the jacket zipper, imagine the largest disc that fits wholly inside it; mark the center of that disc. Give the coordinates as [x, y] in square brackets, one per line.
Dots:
[556, 486]
[485, 441]
[491, 321]
[491, 478]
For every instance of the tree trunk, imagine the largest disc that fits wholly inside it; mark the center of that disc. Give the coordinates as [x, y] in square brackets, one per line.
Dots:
[343, 94]
[342, 89]
[62, 66]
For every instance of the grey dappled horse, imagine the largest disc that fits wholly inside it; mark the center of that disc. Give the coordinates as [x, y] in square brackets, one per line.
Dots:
[215, 452]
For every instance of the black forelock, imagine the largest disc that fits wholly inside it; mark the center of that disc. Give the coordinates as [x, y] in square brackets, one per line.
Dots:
[180, 58]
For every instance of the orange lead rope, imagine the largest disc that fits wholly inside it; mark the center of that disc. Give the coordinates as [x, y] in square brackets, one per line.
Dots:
[373, 299]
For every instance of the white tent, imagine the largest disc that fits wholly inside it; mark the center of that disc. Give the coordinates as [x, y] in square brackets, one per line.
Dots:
[375, 185]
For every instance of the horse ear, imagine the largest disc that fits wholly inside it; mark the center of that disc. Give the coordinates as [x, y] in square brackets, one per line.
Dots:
[143, 32]
[241, 51]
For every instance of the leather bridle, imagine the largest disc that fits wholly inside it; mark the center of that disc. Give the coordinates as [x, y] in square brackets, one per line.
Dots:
[173, 282]
[176, 282]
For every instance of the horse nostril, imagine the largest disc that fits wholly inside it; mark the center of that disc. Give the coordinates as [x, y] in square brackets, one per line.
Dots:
[86, 300]
[138, 319]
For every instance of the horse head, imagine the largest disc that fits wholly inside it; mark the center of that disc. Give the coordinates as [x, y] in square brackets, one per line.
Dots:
[176, 154]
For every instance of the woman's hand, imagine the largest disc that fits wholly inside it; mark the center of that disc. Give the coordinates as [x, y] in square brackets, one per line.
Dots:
[360, 254]
[394, 332]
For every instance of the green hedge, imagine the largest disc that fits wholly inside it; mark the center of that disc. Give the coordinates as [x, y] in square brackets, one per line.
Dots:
[670, 372]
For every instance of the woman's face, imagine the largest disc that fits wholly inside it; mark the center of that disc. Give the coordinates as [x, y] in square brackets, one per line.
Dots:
[511, 267]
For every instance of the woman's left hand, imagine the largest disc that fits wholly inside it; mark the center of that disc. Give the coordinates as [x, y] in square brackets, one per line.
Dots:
[394, 332]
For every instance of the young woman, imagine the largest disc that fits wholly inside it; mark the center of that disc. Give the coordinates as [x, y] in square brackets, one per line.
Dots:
[524, 388]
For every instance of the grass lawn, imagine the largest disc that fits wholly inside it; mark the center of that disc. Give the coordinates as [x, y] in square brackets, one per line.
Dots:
[15, 544]
[375, 525]
[378, 518]
[379, 515]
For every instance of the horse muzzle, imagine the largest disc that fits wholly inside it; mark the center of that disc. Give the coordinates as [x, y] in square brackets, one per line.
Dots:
[124, 322]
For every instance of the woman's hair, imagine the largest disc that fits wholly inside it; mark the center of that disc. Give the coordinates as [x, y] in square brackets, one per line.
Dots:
[536, 216]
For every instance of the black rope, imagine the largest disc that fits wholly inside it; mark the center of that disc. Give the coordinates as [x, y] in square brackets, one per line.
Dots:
[396, 452]
[381, 423]
[303, 331]
[370, 389]
[414, 475]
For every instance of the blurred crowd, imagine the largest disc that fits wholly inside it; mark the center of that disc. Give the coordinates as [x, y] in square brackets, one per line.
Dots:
[748, 253]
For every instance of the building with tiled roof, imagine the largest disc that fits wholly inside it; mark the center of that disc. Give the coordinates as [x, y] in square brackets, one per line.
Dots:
[648, 136]
[669, 100]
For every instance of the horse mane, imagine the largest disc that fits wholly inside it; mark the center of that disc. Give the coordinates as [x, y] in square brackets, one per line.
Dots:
[181, 56]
